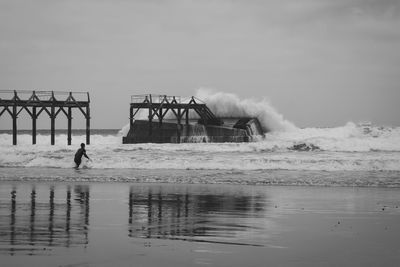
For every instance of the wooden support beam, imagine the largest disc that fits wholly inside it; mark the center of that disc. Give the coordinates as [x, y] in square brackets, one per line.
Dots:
[150, 122]
[14, 118]
[134, 113]
[87, 125]
[173, 111]
[88, 120]
[53, 120]
[69, 117]
[150, 117]
[34, 117]
[44, 109]
[187, 121]
[53, 126]
[63, 110]
[179, 126]
[130, 117]
[4, 109]
[166, 111]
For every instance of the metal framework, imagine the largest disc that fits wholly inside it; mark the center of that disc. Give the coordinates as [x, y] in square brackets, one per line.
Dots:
[51, 102]
[159, 105]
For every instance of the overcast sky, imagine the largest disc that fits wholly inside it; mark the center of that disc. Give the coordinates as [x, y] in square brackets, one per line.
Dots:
[319, 62]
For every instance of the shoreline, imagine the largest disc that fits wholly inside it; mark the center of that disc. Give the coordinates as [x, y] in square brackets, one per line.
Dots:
[367, 179]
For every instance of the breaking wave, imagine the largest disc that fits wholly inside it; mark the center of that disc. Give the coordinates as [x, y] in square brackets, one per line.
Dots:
[353, 147]
[229, 105]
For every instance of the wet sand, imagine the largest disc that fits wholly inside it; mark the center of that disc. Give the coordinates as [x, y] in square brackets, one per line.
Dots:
[128, 224]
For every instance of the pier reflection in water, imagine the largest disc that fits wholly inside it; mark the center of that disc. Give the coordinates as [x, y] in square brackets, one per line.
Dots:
[35, 218]
[43, 219]
[201, 216]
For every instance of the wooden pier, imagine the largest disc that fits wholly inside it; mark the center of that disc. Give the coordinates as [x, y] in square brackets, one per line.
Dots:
[51, 102]
[159, 105]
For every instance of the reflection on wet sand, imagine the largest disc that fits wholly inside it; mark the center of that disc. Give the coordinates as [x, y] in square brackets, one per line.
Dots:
[33, 221]
[192, 225]
[203, 217]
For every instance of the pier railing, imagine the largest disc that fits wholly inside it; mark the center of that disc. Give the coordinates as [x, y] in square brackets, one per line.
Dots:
[154, 98]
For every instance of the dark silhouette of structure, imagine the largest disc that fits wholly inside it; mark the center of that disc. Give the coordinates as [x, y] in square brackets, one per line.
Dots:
[170, 111]
[50, 102]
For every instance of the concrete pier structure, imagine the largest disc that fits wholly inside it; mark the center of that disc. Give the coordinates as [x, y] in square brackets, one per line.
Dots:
[170, 121]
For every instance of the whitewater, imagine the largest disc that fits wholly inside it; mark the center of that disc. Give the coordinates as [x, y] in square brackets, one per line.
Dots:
[285, 148]
[348, 148]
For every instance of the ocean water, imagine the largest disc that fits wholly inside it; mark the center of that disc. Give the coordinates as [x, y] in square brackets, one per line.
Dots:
[352, 155]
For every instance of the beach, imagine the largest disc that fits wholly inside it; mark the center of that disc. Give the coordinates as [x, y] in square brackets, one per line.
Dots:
[309, 197]
[161, 224]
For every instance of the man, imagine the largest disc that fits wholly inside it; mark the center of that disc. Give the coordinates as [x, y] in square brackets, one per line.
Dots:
[78, 155]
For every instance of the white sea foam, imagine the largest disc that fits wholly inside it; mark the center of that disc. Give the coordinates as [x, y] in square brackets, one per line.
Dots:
[351, 147]
[124, 130]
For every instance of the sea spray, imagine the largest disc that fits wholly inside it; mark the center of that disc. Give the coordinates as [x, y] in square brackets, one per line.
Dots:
[230, 105]
[124, 130]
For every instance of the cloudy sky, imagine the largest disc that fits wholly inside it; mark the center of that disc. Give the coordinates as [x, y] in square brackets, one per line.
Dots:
[318, 62]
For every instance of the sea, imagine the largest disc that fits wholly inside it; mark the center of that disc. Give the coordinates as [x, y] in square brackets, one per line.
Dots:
[356, 154]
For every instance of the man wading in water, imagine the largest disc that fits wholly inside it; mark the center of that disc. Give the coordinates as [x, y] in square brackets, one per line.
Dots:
[78, 155]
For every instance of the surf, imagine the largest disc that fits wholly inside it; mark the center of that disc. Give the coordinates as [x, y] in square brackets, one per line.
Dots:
[351, 147]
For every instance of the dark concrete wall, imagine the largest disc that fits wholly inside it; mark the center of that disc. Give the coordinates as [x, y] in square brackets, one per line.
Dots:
[168, 133]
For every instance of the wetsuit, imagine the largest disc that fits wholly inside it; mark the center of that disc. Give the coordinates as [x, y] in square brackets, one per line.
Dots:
[78, 156]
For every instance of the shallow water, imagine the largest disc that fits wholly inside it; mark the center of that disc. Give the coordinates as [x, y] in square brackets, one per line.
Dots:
[125, 224]
[389, 179]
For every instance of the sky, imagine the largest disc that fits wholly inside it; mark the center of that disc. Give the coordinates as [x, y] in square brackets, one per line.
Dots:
[320, 63]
